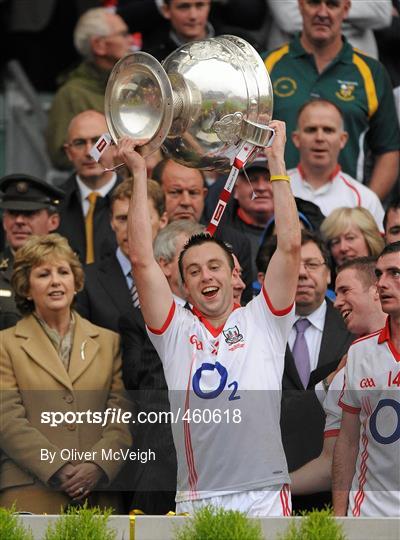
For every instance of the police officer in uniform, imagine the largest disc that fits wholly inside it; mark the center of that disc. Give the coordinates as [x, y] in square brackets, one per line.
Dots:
[29, 206]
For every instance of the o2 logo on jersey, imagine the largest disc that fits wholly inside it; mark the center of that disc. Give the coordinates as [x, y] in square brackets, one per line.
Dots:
[395, 436]
[223, 379]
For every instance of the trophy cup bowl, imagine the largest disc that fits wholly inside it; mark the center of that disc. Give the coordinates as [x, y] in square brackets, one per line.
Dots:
[198, 105]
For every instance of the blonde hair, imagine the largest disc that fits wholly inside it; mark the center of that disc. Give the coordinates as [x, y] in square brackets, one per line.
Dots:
[341, 219]
[36, 251]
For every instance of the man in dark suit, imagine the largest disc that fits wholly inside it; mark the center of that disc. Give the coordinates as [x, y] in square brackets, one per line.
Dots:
[318, 340]
[85, 210]
[109, 288]
[30, 206]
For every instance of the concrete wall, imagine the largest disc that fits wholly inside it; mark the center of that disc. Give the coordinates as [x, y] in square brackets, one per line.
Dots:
[163, 527]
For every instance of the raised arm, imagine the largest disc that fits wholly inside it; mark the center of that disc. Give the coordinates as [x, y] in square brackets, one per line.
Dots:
[282, 273]
[154, 293]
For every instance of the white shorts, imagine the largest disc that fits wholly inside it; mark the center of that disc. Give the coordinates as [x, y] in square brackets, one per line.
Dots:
[273, 501]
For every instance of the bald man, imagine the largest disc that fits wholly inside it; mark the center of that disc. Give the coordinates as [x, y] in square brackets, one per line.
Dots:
[87, 190]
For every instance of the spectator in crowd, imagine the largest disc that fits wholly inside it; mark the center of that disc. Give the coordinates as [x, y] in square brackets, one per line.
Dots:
[48, 362]
[316, 344]
[110, 290]
[366, 459]
[102, 38]
[30, 207]
[357, 300]
[154, 484]
[252, 207]
[188, 22]
[211, 328]
[238, 284]
[351, 233]
[185, 194]
[320, 62]
[391, 222]
[363, 17]
[319, 138]
[85, 212]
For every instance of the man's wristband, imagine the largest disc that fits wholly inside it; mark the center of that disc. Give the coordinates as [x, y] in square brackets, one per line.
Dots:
[279, 178]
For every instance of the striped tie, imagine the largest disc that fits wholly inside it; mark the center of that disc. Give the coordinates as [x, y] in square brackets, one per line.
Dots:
[134, 293]
[92, 197]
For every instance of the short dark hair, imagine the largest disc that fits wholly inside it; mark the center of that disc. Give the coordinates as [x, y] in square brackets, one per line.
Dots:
[158, 171]
[365, 267]
[124, 190]
[390, 248]
[318, 101]
[200, 239]
[266, 251]
[394, 205]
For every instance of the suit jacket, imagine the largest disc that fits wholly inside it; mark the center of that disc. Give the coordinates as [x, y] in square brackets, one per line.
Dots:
[72, 222]
[33, 380]
[9, 314]
[302, 416]
[106, 296]
[143, 376]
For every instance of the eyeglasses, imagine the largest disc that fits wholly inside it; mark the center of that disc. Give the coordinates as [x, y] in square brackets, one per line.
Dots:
[312, 264]
[81, 144]
[121, 33]
[186, 6]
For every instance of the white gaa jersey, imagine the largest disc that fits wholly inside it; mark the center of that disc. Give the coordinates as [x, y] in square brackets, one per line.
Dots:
[331, 406]
[372, 391]
[342, 190]
[227, 381]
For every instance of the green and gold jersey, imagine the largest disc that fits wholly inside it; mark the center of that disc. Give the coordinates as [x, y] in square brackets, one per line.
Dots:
[356, 83]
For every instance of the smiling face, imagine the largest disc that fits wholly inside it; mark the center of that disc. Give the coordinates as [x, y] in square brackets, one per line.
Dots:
[208, 280]
[388, 283]
[349, 245]
[355, 301]
[51, 287]
[188, 17]
[20, 225]
[261, 207]
[319, 137]
[314, 278]
[322, 20]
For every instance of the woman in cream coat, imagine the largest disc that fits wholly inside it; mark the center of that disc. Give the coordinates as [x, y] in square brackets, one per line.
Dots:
[54, 361]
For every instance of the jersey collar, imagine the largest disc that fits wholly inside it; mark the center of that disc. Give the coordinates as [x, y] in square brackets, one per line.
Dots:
[214, 331]
[331, 177]
[345, 55]
[384, 335]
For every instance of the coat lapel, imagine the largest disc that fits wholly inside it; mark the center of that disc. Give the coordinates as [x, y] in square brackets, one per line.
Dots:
[84, 348]
[40, 349]
[113, 281]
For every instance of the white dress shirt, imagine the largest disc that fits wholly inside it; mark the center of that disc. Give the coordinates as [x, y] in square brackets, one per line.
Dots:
[85, 191]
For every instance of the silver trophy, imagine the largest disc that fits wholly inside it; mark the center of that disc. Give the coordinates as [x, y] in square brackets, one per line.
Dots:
[199, 104]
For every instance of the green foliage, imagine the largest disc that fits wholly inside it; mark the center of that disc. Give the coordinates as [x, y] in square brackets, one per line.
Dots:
[315, 525]
[81, 523]
[211, 523]
[11, 527]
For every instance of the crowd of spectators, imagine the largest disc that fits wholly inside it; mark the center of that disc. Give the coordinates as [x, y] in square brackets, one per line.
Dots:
[333, 66]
